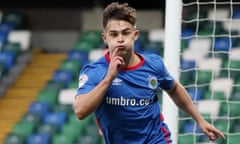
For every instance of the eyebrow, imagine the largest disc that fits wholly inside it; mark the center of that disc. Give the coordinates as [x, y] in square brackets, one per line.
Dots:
[126, 29]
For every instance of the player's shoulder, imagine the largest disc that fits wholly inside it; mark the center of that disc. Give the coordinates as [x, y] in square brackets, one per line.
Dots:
[152, 57]
[96, 66]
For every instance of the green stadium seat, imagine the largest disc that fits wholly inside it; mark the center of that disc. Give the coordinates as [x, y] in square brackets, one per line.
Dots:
[71, 65]
[186, 139]
[3, 70]
[14, 139]
[23, 128]
[53, 85]
[94, 37]
[216, 95]
[235, 126]
[235, 69]
[48, 95]
[222, 125]
[84, 46]
[62, 139]
[12, 47]
[66, 108]
[230, 108]
[31, 118]
[79, 124]
[16, 19]
[70, 131]
[204, 76]
[73, 84]
[47, 128]
[233, 138]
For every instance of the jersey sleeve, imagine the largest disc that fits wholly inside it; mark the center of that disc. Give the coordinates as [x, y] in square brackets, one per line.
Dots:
[165, 79]
[89, 77]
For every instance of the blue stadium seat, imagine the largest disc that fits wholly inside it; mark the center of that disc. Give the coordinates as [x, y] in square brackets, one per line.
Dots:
[236, 14]
[55, 118]
[190, 126]
[82, 56]
[41, 108]
[8, 58]
[195, 93]
[63, 76]
[222, 44]
[36, 138]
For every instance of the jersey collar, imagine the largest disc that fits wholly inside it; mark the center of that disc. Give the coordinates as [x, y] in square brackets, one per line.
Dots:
[107, 56]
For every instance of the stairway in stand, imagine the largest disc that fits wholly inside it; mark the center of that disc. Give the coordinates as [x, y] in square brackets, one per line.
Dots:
[25, 89]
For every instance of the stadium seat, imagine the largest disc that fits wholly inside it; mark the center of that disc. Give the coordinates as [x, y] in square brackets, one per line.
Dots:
[196, 94]
[96, 54]
[84, 46]
[36, 138]
[235, 128]
[12, 47]
[67, 96]
[79, 55]
[63, 76]
[154, 47]
[8, 58]
[14, 18]
[14, 139]
[236, 14]
[234, 138]
[71, 65]
[46, 128]
[211, 107]
[73, 84]
[235, 96]
[62, 139]
[66, 108]
[190, 127]
[70, 131]
[235, 69]
[53, 85]
[40, 108]
[222, 44]
[213, 64]
[48, 96]
[23, 128]
[230, 108]
[31, 118]
[55, 118]
[235, 53]
[79, 124]
[186, 139]
[21, 36]
[204, 76]
[214, 95]
[156, 35]
[222, 84]
[218, 14]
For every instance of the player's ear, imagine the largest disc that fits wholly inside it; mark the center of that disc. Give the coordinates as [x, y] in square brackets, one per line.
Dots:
[104, 37]
[136, 34]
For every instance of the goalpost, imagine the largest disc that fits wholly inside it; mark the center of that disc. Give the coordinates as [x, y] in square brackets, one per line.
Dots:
[202, 51]
[171, 58]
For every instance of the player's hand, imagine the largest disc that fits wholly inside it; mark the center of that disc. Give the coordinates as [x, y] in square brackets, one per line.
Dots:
[210, 131]
[116, 63]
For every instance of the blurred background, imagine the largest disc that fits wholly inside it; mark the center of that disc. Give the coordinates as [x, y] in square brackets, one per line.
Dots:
[45, 43]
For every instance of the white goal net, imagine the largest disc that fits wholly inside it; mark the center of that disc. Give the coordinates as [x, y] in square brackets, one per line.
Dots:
[210, 68]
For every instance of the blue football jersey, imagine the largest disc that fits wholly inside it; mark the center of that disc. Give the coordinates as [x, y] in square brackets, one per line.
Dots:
[130, 112]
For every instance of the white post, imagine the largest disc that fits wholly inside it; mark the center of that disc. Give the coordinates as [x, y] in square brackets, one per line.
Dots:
[172, 60]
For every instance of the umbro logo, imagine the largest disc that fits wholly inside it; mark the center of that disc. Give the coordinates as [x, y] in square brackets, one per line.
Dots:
[116, 81]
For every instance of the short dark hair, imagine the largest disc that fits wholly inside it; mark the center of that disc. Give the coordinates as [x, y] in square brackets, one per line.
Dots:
[119, 11]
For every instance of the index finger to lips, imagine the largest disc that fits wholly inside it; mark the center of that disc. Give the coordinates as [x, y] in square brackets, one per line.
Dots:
[115, 52]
